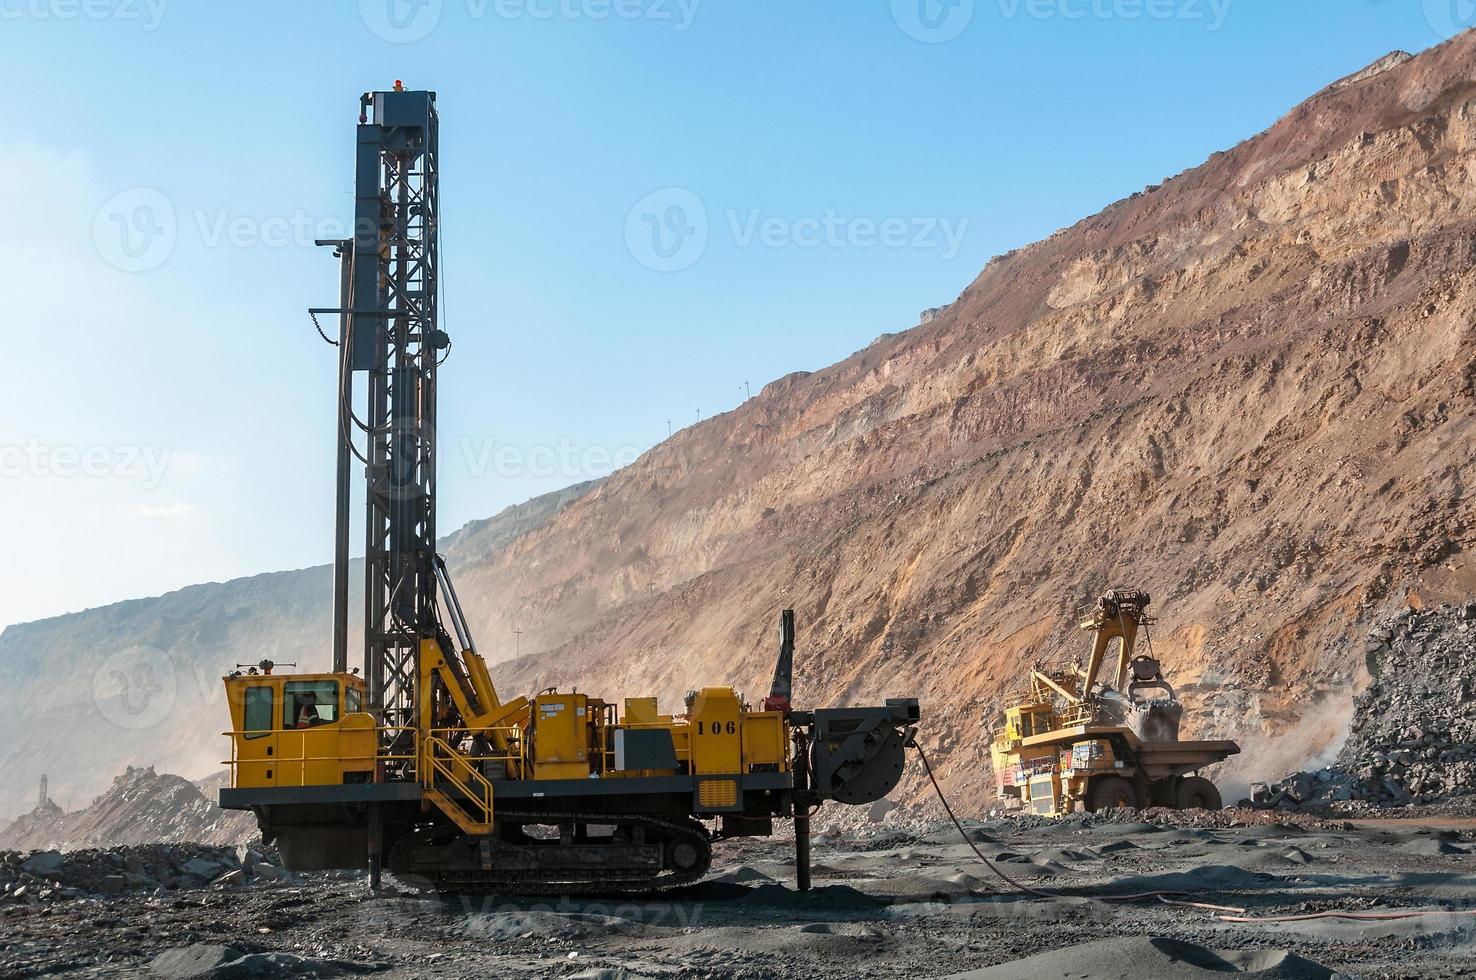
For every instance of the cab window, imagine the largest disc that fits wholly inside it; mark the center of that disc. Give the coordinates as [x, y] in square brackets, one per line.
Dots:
[352, 701]
[309, 703]
[258, 710]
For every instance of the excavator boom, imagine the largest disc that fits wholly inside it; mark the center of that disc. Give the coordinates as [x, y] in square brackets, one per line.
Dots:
[1081, 738]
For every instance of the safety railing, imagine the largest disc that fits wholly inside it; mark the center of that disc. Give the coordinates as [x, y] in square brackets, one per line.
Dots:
[1095, 764]
[1079, 714]
[288, 769]
[398, 748]
[441, 762]
[1026, 699]
[315, 756]
[513, 759]
[1041, 766]
[680, 728]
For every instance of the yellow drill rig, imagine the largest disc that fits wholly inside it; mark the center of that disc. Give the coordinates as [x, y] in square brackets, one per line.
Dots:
[1083, 738]
[418, 764]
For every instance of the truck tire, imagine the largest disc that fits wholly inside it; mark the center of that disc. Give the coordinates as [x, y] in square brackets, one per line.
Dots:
[1164, 792]
[1107, 792]
[1198, 793]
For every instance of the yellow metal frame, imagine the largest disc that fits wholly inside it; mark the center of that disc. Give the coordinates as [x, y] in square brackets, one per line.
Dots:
[438, 758]
[732, 740]
[375, 759]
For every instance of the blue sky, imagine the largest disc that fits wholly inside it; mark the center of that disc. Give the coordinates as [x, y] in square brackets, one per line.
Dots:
[167, 407]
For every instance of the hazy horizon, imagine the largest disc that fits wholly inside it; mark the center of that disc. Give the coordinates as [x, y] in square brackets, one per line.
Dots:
[605, 279]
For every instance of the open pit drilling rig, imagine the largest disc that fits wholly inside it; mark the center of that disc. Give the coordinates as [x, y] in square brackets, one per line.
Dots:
[418, 765]
[1079, 737]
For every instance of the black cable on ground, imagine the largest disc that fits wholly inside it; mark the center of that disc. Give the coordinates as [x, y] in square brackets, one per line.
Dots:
[1162, 896]
[1237, 915]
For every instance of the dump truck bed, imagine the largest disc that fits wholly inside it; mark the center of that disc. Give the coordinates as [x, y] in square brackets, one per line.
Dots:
[1161, 759]
[1158, 760]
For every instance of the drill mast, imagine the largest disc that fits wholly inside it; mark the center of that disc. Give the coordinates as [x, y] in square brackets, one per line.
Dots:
[419, 765]
[392, 337]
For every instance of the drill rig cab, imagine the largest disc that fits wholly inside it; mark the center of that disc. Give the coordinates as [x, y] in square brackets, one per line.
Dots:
[420, 765]
[1081, 737]
[288, 721]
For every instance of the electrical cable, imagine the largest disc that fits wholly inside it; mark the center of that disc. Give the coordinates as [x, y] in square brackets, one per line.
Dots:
[1341, 914]
[442, 320]
[320, 329]
[345, 387]
[1236, 915]
[1162, 896]
[346, 393]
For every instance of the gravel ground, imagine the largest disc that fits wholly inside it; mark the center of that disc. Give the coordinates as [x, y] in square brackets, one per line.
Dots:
[887, 903]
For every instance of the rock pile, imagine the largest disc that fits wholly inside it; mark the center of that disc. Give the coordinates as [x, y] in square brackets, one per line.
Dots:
[141, 807]
[47, 876]
[1413, 734]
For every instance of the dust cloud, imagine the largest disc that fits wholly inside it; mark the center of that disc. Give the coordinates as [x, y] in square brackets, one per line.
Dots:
[1311, 744]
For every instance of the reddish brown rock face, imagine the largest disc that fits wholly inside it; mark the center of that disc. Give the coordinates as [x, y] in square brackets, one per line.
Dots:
[1248, 391]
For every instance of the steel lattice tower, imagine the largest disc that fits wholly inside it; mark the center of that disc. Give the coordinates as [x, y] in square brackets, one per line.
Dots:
[392, 337]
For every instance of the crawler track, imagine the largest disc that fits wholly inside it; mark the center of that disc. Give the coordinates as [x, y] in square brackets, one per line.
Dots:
[443, 864]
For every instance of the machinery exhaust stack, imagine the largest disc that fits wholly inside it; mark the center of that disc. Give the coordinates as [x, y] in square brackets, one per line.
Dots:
[782, 688]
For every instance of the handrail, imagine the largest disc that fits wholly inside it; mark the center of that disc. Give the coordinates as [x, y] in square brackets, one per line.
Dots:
[515, 755]
[1080, 714]
[235, 763]
[428, 756]
[442, 766]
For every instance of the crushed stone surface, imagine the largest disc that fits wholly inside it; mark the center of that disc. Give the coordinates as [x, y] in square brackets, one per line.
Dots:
[894, 901]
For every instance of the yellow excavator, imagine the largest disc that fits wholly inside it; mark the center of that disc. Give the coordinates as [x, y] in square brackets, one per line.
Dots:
[1105, 733]
[418, 764]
